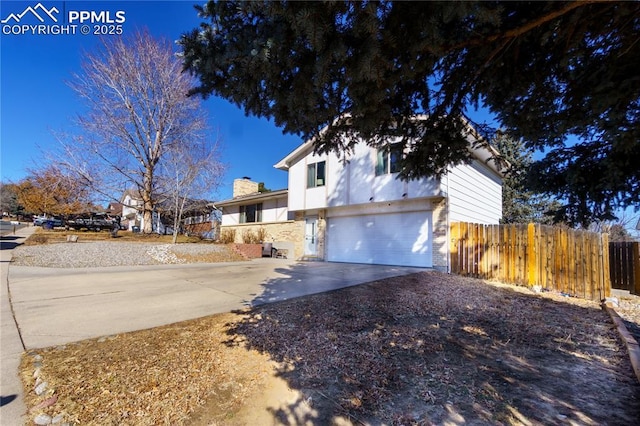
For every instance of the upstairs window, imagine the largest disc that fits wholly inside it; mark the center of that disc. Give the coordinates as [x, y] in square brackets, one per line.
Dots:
[388, 160]
[251, 213]
[315, 174]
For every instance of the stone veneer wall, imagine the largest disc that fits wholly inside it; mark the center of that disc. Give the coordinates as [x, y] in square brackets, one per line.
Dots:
[321, 231]
[291, 231]
[440, 243]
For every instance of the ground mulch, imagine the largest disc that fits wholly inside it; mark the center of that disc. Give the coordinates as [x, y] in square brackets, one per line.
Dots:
[423, 349]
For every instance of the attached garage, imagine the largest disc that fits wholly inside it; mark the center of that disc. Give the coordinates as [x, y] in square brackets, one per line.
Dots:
[385, 239]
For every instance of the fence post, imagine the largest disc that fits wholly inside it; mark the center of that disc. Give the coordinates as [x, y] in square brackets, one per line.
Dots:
[636, 268]
[606, 274]
[531, 255]
[454, 234]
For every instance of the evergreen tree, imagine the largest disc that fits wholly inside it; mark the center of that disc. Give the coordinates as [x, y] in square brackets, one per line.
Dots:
[547, 70]
[9, 199]
[520, 204]
[262, 188]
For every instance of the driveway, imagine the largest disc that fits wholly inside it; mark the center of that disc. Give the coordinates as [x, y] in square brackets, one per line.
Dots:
[59, 306]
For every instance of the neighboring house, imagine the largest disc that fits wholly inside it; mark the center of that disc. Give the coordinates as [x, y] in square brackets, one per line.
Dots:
[114, 209]
[131, 214]
[202, 218]
[252, 211]
[355, 209]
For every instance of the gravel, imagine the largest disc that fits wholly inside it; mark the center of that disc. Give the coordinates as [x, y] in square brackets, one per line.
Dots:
[106, 253]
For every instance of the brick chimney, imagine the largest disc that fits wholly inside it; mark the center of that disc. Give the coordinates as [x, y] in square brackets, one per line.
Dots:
[244, 186]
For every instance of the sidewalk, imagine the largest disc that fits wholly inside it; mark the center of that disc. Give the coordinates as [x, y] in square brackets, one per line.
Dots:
[12, 408]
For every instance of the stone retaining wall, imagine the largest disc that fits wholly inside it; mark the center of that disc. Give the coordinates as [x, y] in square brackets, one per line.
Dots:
[291, 231]
[250, 251]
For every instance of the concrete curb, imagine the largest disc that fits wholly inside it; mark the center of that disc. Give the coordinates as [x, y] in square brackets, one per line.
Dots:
[632, 345]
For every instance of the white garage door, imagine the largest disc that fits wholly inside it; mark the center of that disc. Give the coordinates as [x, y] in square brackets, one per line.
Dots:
[385, 239]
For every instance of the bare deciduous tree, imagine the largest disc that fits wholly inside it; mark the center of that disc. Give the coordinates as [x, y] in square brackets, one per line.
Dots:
[622, 229]
[137, 112]
[189, 173]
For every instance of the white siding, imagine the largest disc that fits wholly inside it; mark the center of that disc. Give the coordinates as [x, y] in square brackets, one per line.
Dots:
[301, 197]
[427, 187]
[297, 185]
[273, 210]
[361, 174]
[381, 219]
[337, 181]
[352, 183]
[474, 193]
[230, 215]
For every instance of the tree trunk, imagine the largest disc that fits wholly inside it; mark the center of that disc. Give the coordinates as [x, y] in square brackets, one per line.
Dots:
[147, 218]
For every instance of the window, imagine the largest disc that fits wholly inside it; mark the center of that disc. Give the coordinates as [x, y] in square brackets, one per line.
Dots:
[315, 174]
[389, 159]
[251, 213]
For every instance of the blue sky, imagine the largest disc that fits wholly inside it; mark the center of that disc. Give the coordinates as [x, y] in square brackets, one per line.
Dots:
[35, 100]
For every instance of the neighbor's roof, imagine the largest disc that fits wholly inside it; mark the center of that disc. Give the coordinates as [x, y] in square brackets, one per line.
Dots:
[134, 194]
[256, 197]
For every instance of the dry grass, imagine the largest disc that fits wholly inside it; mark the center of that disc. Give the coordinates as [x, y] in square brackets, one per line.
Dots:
[43, 236]
[423, 349]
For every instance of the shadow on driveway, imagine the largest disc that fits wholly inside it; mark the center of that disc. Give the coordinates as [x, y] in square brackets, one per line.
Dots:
[302, 279]
[8, 242]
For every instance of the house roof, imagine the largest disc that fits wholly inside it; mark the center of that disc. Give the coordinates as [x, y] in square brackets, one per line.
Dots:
[484, 153]
[115, 208]
[257, 197]
[134, 194]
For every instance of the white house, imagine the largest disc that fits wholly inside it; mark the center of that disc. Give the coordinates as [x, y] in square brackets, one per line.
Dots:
[250, 211]
[131, 216]
[358, 211]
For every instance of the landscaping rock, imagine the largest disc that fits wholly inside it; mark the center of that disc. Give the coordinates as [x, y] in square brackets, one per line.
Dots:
[46, 403]
[41, 388]
[42, 419]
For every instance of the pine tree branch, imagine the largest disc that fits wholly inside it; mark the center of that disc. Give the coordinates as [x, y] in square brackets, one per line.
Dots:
[515, 32]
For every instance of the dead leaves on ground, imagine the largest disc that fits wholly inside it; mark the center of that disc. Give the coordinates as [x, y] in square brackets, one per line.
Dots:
[421, 349]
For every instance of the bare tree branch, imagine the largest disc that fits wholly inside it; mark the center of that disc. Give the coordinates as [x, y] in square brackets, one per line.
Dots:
[138, 116]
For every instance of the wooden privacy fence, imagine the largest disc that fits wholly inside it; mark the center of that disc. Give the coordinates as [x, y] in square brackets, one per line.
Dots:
[565, 260]
[624, 263]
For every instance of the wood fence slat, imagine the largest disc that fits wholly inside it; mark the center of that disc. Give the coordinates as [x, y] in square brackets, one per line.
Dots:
[582, 262]
[464, 235]
[453, 246]
[546, 249]
[591, 283]
[550, 257]
[624, 258]
[564, 260]
[532, 255]
[606, 278]
[636, 268]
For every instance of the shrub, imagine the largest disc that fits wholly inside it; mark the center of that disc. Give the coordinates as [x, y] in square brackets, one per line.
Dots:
[228, 236]
[37, 239]
[250, 237]
[262, 235]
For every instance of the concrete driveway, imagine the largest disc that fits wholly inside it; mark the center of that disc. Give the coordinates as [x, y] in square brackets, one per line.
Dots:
[58, 306]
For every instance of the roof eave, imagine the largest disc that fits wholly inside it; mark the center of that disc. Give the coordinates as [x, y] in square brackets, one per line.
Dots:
[253, 197]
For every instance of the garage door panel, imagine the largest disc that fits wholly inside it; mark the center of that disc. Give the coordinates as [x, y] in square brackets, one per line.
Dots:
[387, 239]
